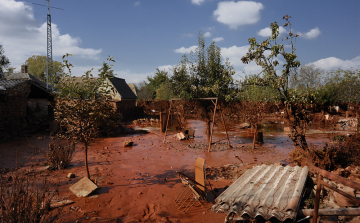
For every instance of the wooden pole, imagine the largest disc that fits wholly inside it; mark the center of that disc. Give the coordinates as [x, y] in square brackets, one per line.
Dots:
[331, 212]
[167, 121]
[254, 136]
[227, 135]
[317, 198]
[161, 125]
[212, 126]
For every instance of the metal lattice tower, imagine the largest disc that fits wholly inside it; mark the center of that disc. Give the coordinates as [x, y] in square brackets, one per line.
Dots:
[49, 61]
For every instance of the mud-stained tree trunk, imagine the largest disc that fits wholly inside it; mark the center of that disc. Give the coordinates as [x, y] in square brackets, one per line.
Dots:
[297, 119]
[86, 160]
[255, 127]
[208, 129]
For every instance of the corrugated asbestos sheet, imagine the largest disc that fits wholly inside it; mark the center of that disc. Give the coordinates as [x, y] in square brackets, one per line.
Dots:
[265, 192]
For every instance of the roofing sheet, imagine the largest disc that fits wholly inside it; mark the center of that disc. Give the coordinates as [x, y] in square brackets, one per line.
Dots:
[264, 192]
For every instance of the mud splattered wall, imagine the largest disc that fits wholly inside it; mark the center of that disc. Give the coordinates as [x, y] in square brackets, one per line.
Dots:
[13, 109]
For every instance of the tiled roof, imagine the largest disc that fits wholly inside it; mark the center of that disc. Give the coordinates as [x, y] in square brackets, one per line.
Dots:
[26, 76]
[7, 84]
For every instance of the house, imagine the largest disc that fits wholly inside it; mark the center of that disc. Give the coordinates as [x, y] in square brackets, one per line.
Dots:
[24, 104]
[122, 96]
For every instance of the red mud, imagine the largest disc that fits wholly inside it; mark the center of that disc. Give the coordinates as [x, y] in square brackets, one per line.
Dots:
[139, 183]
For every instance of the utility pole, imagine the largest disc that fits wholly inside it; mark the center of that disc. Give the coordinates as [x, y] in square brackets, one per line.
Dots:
[49, 61]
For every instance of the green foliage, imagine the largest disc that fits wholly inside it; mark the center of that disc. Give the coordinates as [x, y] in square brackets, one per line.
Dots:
[266, 54]
[151, 90]
[257, 93]
[4, 61]
[37, 67]
[269, 64]
[210, 77]
[341, 86]
[181, 80]
[203, 75]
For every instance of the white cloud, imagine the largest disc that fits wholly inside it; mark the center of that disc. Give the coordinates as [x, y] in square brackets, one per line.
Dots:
[235, 14]
[166, 68]
[234, 54]
[23, 36]
[197, 2]
[207, 34]
[218, 39]
[266, 32]
[132, 77]
[312, 34]
[185, 50]
[137, 3]
[334, 63]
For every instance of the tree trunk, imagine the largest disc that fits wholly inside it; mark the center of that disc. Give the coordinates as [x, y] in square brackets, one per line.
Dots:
[254, 136]
[86, 161]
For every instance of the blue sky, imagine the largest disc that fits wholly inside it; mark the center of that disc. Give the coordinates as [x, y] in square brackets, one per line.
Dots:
[147, 34]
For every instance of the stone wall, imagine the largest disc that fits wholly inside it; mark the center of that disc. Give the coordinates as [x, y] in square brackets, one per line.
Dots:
[13, 110]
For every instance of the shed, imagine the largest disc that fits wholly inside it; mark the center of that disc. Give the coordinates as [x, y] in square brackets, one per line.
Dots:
[123, 96]
[36, 95]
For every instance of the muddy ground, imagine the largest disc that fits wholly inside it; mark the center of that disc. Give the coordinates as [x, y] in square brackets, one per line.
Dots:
[140, 183]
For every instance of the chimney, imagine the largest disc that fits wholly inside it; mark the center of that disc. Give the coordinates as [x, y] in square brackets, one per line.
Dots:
[24, 69]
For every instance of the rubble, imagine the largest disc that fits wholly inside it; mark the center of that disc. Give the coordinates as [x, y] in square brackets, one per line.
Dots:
[128, 143]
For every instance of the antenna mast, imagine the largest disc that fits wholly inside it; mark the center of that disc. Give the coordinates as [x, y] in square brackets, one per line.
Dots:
[49, 61]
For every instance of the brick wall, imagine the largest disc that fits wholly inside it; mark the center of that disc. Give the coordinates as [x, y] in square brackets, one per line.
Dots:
[13, 110]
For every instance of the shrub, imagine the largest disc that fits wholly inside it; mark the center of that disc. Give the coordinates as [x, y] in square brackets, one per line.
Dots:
[60, 153]
[24, 200]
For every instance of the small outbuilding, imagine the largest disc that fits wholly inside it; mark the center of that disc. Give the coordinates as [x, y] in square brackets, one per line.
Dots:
[24, 104]
[123, 96]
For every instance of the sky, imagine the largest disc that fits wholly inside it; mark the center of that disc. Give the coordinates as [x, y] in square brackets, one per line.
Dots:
[149, 34]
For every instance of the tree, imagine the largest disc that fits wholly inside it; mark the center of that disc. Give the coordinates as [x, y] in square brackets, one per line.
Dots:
[295, 112]
[308, 78]
[254, 92]
[159, 79]
[37, 67]
[181, 80]
[211, 77]
[143, 92]
[4, 61]
[83, 108]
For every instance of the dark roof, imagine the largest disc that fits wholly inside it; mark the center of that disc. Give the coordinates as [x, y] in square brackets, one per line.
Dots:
[26, 76]
[122, 87]
[7, 84]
